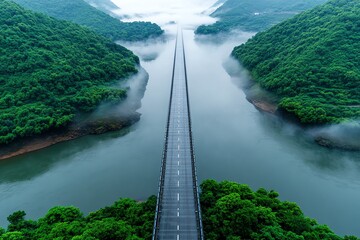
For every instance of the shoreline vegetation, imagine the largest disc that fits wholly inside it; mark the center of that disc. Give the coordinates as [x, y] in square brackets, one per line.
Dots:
[311, 65]
[49, 78]
[230, 211]
[82, 13]
[318, 84]
[253, 15]
[72, 132]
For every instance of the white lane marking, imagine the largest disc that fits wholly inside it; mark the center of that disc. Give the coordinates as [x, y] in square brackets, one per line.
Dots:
[178, 183]
[178, 155]
[177, 237]
[178, 163]
[178, 214]
[178, 139]
[178, 131]
[178, 198]
[178, 147]
[178, 172]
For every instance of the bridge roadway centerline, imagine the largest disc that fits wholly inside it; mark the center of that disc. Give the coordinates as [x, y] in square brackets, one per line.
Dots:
[178, 213]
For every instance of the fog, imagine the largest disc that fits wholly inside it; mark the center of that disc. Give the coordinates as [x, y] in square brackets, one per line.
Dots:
[345, 135]
[188, 13]
[136, 87]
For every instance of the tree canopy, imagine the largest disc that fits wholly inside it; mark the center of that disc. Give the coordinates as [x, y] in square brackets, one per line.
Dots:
[82, 13]
[312, 62]
[51, 69]
[254, 15]
[125, 219]
[229, 211]
[107, 6]
[234, 211]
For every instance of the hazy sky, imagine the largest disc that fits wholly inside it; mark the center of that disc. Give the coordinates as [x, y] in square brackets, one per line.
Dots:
[186, 12]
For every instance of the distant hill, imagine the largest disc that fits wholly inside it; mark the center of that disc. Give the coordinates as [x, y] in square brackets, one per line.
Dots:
[107, 6]
[254, 15]
[312, 62]
[51, 70]
[82, 13]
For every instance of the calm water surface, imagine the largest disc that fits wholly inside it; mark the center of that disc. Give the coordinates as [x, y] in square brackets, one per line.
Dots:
[233, 141]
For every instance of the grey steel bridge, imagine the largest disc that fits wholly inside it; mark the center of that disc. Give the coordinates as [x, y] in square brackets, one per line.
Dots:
[178, 213]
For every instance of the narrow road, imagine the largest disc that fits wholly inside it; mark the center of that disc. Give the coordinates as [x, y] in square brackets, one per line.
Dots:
[178, 211]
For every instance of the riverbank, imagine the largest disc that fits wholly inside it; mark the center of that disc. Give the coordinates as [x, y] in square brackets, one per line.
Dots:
[74, 131]
[322, 135]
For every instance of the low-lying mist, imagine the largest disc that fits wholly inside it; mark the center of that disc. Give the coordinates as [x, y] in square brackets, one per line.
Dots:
[136, 86]
[344, 135]
[188, 13]
[147, 50]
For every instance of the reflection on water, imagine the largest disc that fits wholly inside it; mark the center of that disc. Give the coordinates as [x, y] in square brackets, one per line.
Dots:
[30, 166]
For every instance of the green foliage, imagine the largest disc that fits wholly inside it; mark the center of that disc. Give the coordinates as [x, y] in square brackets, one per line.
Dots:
[82, 13]
[50, 70]
[230, 211]
[107, 6]
[125, 219]
[233, 211]
[254, 15]
[312, 62]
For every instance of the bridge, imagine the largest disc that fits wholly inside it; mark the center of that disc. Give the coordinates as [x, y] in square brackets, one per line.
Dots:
[178, 214]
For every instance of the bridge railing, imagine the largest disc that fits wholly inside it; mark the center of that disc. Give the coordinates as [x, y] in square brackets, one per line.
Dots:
[163, 164]
[194, 173]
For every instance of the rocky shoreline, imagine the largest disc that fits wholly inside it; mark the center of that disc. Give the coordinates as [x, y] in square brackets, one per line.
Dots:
[74, 131]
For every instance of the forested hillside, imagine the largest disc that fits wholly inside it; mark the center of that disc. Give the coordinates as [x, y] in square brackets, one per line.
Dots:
[312, 62]
[254, 15]
[107, 6]
[230, 211]
[82, 13]
[52, 69]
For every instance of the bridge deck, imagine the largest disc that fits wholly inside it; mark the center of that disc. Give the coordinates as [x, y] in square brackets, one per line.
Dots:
[178, 213]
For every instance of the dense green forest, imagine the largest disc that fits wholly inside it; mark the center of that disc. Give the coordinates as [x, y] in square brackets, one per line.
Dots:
[230, 211]
[312, 62]
[51, 69]
[254, 15]
[107, 6]
[233, 211]
[82, 13]
[125, 219]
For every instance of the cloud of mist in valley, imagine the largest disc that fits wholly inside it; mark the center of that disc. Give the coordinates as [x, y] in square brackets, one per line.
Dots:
[147, 50]
[136, 87]
[188, 13]
[236, 36]
[344, 134]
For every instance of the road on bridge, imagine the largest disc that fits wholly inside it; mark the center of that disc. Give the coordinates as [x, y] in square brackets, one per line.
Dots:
[178, 213]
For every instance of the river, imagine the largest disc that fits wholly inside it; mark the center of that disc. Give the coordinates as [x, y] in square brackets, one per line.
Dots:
[233, 141]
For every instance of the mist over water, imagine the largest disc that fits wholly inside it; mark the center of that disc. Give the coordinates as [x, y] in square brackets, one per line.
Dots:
[188, 13]
[233, 141]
